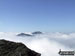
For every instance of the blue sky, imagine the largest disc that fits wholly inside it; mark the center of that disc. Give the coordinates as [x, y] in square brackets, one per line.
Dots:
[37, 15]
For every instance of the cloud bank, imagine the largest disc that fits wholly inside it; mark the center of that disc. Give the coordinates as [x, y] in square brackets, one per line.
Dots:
[48, 44]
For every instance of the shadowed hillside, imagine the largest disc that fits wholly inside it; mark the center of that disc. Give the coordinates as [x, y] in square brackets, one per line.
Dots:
[9, 48]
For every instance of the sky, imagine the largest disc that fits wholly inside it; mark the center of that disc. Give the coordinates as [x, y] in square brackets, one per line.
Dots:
[37, 15]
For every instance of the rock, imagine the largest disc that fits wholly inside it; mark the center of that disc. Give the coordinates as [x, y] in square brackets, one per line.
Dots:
[9, 48]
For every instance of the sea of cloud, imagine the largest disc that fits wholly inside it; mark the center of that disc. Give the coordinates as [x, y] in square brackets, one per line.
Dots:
[48, 44]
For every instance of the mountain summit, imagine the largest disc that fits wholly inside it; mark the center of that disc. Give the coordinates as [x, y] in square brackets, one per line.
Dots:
[36, 32]
[24, 34]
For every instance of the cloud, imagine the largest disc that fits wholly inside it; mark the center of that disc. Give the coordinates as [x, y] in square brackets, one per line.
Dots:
[48, 44]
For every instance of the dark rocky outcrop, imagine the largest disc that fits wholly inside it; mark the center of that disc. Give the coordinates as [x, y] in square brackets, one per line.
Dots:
[24, 34]
[9, 48]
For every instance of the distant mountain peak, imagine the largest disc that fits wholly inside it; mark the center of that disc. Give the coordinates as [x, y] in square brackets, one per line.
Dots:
[24, 34]
[37, 32]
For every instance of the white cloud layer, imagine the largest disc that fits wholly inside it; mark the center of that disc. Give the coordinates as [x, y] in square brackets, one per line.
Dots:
[48, 44]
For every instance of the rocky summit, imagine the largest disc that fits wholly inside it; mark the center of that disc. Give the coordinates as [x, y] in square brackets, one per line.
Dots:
[9, 48]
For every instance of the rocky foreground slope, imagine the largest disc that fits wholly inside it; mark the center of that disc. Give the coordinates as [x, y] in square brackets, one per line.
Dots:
[9, 48]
